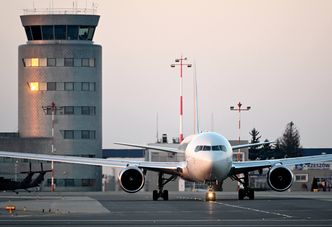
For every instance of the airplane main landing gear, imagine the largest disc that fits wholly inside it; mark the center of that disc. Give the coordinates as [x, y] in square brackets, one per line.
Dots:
[249, 192]
[161, 183]
[245, 191]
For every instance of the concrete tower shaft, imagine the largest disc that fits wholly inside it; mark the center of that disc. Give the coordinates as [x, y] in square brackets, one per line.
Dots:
[60, 64]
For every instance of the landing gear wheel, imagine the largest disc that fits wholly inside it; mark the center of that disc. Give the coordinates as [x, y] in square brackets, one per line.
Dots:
[161, 183]
[165, 195]
[245, 191]
[251, 193]
[155, 195]
[242, 194]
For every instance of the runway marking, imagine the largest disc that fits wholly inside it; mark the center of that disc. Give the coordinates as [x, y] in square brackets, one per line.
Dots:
[255, 210]
[177, 222]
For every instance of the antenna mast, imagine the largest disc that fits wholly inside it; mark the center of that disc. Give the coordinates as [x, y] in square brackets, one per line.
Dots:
[196, 116]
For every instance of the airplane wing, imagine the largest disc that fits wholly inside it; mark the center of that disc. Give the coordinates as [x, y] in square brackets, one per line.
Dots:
[237, 147]
[158, 148]
[246, 166]
[166, 167]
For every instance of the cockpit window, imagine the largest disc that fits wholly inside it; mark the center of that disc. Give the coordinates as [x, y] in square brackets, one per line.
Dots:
[206, 148]
[198, 148]
[209, 148]
[216, 148]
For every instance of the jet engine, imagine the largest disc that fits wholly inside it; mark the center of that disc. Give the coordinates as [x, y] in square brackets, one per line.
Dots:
[280, 178]
[131, 179]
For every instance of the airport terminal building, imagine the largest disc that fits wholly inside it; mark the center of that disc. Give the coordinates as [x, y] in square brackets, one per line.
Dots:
[59, 98]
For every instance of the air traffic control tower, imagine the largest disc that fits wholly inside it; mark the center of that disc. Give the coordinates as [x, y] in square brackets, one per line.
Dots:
[60, 92]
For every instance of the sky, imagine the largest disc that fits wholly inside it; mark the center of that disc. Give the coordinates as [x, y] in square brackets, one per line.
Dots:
[272, 55]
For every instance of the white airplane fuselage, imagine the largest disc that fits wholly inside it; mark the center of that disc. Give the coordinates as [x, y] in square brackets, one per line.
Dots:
[208, 157]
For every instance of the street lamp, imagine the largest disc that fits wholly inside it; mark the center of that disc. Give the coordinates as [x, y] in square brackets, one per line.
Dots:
[179, 62]
[53, 109]
[239, 109]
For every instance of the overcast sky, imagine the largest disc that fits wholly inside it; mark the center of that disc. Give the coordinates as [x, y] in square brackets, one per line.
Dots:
[274, 55]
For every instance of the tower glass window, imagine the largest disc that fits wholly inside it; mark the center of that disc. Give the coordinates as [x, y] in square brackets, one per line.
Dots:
[83, 32]
[48, 32]
[60, 32]
[91, 33]
[28, 32]
[72, 32]
[36, 32]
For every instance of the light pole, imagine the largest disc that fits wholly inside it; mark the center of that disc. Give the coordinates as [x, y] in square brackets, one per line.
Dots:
[239, 109]
[52, 108]
[179, 62]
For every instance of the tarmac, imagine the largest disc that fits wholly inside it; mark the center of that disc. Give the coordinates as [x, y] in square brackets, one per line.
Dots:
[183, 209]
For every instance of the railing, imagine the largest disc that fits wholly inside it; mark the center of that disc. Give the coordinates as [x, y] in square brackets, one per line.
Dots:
[89, 11]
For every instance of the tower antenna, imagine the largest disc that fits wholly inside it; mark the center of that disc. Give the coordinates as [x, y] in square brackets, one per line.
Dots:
[196, 115]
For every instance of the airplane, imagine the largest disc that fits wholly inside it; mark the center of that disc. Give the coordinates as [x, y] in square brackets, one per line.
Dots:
[26, 183]
[208, 159]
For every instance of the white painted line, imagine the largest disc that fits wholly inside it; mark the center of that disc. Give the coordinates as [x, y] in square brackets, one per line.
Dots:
[255, 210]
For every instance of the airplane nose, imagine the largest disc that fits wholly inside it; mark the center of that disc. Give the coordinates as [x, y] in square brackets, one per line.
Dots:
[219, 168]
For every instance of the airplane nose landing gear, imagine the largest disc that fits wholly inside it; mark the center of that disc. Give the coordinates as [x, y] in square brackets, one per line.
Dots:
[210, 195]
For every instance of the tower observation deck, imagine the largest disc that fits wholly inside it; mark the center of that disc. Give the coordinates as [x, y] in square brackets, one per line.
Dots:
[60, 91]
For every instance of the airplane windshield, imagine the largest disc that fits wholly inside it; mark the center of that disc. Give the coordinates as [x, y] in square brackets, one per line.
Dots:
[209, 148]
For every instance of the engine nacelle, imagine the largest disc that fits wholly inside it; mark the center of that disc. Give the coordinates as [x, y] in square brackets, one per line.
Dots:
[280, 178]
[131, 179]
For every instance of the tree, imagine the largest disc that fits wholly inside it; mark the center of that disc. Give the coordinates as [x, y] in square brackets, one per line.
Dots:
[254, 136]
[290, 141]
[254, 152]
[278, 152]
[267, 152]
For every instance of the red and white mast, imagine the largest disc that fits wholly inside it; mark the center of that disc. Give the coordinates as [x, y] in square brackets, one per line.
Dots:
[181, 64]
